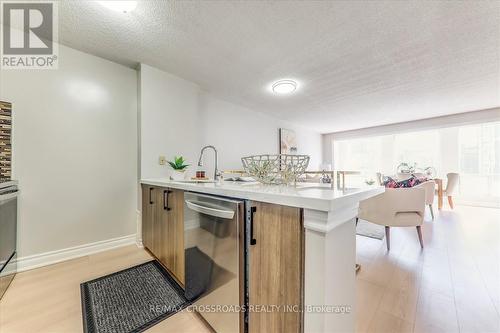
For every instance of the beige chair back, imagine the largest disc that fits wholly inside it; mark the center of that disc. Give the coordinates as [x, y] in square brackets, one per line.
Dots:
[452, 184]
[396, 207]
[430, 187]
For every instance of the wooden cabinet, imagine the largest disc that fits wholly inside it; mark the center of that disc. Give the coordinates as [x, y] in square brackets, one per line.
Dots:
[275, 262]
[171, 231]
[148, 215]
[177, 234]
[161, 248]
[163, 227]
[276, 268]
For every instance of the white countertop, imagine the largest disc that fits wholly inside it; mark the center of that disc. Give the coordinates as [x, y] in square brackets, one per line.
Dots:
[305, 195]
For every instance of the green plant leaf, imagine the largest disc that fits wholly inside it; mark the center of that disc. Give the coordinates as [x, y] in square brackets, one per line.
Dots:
[178, 163]
[173, 165]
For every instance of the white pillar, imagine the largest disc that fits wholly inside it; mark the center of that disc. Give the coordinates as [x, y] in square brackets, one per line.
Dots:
[330, 278]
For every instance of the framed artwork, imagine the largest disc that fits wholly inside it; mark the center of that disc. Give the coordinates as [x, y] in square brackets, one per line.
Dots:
[288, 141]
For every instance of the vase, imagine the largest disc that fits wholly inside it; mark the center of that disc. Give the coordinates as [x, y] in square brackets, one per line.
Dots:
[178, 175]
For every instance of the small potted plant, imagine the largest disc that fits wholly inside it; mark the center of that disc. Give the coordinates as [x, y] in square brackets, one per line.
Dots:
[179, 168]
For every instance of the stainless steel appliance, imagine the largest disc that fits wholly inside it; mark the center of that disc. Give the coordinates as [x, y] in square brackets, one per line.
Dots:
[8, 233]
[213, 242]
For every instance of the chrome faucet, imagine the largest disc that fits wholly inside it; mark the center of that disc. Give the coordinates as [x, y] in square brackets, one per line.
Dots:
[200, 163]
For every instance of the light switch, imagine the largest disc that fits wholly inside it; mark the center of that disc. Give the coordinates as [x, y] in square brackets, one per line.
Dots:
[162, 160]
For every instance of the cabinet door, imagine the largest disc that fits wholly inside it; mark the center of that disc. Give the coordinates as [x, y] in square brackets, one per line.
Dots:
[276, 268]
[168, 231]
[176, 233]
[148, 215]
[161, 228]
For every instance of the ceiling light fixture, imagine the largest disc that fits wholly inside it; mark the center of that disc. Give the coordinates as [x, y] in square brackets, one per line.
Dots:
[119, 6]
[283, 87]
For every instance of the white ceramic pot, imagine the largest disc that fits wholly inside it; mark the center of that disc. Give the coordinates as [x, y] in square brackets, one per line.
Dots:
[178, 175]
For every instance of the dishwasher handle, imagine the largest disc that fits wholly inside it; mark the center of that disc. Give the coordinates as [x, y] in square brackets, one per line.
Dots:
[225, 214]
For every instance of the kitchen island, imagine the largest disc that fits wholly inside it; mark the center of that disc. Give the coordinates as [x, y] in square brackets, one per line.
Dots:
[303, 257]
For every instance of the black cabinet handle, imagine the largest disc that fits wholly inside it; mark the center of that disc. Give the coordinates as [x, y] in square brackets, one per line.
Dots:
[165, 199]
[253, 241]
[150, 196]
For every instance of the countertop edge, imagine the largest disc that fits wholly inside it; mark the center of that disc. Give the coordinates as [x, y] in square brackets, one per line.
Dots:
[320, 204]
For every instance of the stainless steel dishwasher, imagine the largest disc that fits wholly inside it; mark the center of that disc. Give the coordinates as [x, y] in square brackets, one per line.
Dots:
[213, 234]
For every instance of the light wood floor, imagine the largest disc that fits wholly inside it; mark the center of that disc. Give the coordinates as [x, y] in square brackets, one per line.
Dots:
[453, 285]
[48, 299]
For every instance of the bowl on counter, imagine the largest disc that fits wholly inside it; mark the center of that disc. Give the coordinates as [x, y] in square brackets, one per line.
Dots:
[275, 169]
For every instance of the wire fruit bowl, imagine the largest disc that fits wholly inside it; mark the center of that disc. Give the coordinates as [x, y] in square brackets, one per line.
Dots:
[275, 169]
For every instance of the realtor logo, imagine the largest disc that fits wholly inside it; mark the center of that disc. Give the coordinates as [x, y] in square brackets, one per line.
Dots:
[29, 35]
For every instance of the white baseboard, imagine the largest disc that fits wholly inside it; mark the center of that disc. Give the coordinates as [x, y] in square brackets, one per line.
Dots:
[138, 238]
[53, 257]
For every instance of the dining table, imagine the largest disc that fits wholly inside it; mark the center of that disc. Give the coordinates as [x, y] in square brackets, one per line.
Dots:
[440, 192]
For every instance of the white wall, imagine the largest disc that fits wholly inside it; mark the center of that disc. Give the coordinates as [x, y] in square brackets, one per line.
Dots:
[237, 131]
[169, 120]
[75, 151]
[178, 119]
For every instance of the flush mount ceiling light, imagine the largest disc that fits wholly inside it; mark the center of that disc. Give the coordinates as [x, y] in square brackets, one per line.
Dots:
[283, 87]
[119, 6]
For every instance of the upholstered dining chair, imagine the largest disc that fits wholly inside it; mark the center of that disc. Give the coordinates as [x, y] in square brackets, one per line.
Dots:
[451, 186]
[396, 207]
[429, 186]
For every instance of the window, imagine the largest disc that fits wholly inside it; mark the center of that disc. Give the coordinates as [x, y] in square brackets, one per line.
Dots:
[473, 151]
[479, 155]
[360, 154]
[469, 149]
[421, 148]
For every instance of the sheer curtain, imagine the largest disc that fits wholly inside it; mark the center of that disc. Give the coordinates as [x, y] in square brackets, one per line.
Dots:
[479, 156]
[473, 151]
